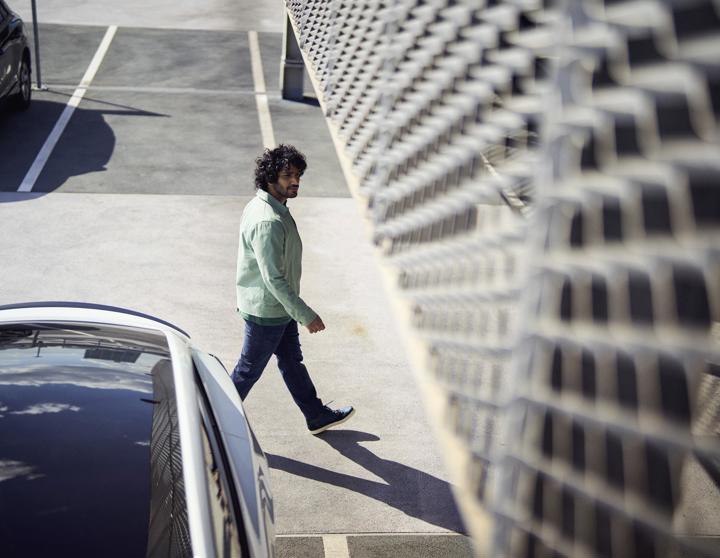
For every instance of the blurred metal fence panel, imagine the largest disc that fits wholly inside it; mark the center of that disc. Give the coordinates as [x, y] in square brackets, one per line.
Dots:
[615, 414]
[543, 181]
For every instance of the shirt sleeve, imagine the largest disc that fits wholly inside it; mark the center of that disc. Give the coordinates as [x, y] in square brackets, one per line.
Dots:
[267, 239]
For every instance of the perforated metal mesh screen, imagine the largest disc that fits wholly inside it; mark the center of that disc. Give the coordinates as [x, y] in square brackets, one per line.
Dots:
[543, 180]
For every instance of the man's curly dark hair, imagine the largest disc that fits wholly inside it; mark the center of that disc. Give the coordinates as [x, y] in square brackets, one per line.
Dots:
[272, 161]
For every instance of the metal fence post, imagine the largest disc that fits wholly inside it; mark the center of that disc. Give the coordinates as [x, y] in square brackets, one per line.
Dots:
[36, 36]
[292, 67]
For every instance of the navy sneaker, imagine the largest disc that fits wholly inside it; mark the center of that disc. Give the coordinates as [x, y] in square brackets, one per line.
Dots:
[328, 418]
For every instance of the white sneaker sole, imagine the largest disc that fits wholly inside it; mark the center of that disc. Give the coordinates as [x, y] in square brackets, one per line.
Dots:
[333, 424]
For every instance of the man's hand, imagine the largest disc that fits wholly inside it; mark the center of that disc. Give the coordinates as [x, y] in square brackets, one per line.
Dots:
[316, 325]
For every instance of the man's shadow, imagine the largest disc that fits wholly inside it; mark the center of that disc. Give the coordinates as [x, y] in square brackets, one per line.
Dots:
[411, 491]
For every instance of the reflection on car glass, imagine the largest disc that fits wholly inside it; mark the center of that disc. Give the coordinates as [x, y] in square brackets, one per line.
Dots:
[81, 404]
[101, 342]
[168, 529]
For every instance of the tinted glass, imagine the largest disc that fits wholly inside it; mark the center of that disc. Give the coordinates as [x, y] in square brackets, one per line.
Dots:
[227, 537]
[81, 408]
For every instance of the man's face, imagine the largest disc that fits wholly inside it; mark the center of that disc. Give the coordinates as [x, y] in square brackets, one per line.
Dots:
[287, 184]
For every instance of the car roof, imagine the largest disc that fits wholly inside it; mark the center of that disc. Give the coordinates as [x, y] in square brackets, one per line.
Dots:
[82, 311]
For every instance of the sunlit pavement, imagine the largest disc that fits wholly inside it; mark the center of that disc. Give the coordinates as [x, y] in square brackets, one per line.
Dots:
[137, 205]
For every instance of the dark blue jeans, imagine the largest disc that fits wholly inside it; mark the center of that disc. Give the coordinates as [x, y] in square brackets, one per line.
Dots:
[283, 341]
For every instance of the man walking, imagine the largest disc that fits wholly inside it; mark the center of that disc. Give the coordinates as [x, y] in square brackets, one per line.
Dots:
[268, 288]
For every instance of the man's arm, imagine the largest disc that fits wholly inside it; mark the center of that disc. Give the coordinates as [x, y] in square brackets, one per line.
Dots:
[266, 239]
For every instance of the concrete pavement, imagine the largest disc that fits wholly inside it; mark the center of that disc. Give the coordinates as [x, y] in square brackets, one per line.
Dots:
[161, 14]
[174, 257]
[138, 206]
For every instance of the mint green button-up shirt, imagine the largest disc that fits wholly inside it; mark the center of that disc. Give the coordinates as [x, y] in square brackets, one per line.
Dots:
[270, 263]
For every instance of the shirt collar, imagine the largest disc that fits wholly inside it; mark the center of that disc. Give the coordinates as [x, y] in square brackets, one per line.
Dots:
[276, 205]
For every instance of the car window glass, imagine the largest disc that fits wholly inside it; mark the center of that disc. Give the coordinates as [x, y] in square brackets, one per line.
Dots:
[89, 430]
[169, 526]
[227, 537]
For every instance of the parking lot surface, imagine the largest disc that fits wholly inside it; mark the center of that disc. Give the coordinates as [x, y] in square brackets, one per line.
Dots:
[137, 205]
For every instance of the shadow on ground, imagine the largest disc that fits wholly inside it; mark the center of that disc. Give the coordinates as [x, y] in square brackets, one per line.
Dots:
[409, 490]
[86, 145]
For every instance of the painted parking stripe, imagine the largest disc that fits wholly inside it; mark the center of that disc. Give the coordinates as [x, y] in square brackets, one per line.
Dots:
[38, 165]
[335, 546]
[260, 92]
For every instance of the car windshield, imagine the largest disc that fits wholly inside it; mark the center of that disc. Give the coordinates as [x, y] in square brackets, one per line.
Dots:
[89, 451]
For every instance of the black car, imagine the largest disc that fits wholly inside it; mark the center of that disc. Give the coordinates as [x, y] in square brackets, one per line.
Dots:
[15, 84]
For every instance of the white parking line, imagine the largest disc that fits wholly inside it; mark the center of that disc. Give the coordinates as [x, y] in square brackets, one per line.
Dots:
[335, 546]
[32, 175]
[261, 99]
